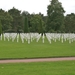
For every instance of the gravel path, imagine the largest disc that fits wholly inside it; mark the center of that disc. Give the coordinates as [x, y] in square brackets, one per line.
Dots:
[37, 60]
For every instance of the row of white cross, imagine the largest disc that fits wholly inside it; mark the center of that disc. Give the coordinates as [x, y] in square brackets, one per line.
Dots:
[61, 37]
[29, 37]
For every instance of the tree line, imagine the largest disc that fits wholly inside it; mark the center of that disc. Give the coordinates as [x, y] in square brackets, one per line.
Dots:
[14, 20]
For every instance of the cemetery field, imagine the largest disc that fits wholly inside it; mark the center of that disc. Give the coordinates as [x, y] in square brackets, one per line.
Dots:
[42, 68]
[18, 50]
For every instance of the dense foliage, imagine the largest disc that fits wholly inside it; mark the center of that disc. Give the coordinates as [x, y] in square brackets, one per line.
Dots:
[13, 20]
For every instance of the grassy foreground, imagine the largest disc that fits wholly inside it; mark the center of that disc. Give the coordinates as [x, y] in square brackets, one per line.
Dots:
[43, 68]
[11, 49]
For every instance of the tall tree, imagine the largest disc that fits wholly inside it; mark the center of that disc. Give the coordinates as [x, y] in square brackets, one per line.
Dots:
[40, 27]
[0, 27]
[6, 20]
[69, 23]
[55, 14]
[43, 22]
[25, 15]
[26, 25]
[37, 23]
[17, 19]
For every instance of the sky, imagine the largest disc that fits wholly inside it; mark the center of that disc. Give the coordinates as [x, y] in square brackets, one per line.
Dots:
[36, 6]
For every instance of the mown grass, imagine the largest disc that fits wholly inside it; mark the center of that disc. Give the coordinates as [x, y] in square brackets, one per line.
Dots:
[42, 68]
[11, 50]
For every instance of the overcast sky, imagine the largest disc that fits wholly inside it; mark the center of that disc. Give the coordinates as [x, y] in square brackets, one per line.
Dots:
[36, 6]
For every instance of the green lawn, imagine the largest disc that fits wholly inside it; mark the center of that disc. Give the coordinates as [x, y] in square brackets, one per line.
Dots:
[43, 68]
[24, 50]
